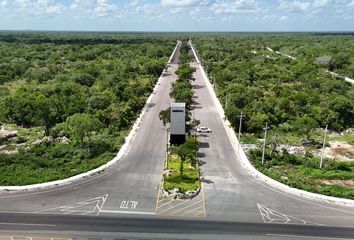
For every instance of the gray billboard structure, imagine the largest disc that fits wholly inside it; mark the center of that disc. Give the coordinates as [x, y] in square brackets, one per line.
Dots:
[178, 123]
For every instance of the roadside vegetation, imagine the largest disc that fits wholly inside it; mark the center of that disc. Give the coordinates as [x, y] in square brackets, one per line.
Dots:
[68, 100]
[295, 97]
[182, 164]
[331, 52]
[182, 168]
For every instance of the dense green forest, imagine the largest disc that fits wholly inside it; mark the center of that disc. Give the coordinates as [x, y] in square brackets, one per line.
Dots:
[296, 97]
[71, 98]
[271, 88]
[332, 52]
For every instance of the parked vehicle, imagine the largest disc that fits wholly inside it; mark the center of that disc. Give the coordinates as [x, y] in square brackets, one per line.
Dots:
[203, 130]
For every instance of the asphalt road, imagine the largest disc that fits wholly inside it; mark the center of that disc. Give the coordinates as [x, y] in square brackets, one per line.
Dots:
[234, 202]
[158, 228]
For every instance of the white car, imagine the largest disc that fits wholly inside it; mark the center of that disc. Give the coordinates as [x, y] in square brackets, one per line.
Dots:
[203, 130]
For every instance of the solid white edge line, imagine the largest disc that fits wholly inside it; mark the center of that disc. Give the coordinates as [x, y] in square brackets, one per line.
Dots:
[127, 212]
[304, 236]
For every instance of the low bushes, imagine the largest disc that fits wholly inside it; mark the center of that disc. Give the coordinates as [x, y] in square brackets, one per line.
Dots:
[303, 172]
[188, 182]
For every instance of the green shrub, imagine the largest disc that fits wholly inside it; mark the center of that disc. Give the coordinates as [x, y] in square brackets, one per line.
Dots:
[344, 166]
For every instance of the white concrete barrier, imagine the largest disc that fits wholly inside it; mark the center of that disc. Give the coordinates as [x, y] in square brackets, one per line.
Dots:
[245, 163]
[121, 154]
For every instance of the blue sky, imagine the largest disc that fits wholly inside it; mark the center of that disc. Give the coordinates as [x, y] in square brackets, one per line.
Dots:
[177, 15]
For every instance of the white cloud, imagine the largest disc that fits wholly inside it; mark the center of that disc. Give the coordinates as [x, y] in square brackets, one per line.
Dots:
[49, 7]
[179, 3]
[40, 7]
[3, 4]
[23, 3]
[81, 4]
[104, 8]
[234, 7]
[294, 6]
[176, 10]
[148, 9]
[283, 18]
[320, 3]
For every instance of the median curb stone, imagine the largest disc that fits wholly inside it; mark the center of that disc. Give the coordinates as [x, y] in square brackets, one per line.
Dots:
[176, 194]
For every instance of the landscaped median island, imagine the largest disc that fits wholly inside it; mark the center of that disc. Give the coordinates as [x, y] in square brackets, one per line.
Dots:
[67, 101]
[182, 173]
[290, 107]
[181, 178]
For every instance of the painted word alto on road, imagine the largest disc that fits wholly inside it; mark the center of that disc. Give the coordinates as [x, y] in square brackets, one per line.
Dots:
[129, 204]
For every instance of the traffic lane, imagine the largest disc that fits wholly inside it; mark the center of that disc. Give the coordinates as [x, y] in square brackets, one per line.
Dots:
[142, 236]
[234, 193]
[114, 181]
[163, 225]
[175, 58]
[140, 174]
[222, 184]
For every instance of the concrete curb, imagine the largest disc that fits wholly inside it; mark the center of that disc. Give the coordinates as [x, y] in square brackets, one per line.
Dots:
[245, 163]
[121, 153]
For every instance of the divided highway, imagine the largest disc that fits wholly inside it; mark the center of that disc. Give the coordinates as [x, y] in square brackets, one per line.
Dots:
[122, 201]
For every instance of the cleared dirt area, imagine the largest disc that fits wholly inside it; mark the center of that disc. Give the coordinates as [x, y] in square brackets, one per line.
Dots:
[340, 151]
[344, 183]
[5, 133]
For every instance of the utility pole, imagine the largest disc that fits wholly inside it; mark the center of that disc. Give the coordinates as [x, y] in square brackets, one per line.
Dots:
[192, 122]
[264, 142]
[324, 144]
[239, 127]
[167, 147]
[226, 101]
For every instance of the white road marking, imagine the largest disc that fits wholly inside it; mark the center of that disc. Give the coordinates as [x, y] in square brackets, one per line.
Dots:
[178, 210]
[127, 212]
[273, 216]
[303, 236]
[165, 203]
[54, 190]
[202, 212]
[29, 224]
[173, 206]
[297, 198]
[191, 210]
[129, 204]
[75, 207]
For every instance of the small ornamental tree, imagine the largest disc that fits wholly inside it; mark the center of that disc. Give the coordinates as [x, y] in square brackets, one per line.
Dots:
[165, 116]
[82, 125]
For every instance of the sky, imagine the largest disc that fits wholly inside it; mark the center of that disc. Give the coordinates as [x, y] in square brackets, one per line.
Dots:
[177, 15]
